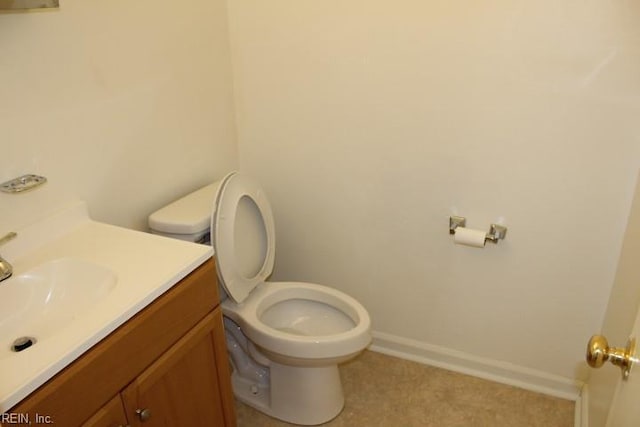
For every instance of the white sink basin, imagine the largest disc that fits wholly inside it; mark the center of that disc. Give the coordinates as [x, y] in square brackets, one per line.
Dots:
[42, 301]
[75, 281]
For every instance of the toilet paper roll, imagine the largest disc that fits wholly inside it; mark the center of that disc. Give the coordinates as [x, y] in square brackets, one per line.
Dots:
[469, 237]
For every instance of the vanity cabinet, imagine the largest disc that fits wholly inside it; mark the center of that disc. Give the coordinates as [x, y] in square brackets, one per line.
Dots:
[167, 366]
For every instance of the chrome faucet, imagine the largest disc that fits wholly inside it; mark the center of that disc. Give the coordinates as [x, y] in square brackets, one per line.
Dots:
[5, 268]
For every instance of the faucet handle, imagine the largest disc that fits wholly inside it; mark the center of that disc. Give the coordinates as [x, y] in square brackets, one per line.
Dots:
[7, 237]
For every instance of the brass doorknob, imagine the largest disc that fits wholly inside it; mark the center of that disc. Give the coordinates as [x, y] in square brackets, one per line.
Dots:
[598, 352]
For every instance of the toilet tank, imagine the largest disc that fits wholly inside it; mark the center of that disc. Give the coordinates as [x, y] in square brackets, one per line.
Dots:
[188, 218]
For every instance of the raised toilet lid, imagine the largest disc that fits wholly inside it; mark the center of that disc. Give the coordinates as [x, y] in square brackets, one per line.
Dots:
[243, 235]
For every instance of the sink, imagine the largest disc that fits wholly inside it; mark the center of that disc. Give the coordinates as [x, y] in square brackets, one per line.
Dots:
[75, 281]
[43, 300]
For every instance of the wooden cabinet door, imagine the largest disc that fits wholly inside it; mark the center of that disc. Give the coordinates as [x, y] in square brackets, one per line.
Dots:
[182, 387]
[110, 415]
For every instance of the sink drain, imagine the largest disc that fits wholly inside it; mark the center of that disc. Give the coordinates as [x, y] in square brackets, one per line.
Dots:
[22, 343]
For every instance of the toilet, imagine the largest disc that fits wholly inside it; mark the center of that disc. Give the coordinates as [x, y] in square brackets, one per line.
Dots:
[284, 339]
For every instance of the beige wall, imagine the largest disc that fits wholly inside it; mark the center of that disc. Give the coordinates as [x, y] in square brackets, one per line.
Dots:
[370, 122]
[123, 104]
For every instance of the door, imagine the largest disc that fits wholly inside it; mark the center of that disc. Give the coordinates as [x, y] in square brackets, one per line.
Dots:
[625, 408]
[181, 388]
[614, 402]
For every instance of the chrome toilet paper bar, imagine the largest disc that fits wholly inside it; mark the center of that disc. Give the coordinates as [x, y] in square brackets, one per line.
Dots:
[496, 231]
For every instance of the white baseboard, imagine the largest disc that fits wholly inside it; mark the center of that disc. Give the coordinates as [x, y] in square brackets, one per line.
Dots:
[457, 361]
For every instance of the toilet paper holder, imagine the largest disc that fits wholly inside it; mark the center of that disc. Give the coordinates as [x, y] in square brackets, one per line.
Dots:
[496, 231]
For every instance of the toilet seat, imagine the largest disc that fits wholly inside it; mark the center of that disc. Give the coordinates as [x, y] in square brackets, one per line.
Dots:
[244, 244]
[283, 345]
[243, 235]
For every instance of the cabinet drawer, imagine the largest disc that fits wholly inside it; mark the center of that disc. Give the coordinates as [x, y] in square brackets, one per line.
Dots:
[76, 393]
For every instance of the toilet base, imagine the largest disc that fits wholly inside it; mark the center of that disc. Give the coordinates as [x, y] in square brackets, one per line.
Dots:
[298, 395]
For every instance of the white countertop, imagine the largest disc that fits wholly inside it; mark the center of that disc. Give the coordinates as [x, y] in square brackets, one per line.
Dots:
[145, 265]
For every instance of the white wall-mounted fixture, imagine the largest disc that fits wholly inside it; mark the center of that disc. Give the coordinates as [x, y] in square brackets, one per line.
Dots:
[496, 231]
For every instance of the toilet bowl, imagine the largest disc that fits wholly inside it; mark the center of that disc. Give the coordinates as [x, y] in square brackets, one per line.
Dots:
[284, 339]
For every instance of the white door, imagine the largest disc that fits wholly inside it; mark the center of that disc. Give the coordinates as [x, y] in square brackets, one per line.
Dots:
[625, 408]
[614, 402]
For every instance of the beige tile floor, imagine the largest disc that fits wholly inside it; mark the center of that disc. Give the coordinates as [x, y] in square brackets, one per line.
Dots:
[385, 391]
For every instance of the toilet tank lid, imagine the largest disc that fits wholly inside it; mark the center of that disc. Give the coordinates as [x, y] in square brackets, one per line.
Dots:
[188, 215]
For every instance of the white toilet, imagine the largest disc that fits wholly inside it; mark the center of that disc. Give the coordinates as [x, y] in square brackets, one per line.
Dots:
[285, 339]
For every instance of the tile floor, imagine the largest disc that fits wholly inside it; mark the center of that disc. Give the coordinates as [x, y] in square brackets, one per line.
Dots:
[385, 391]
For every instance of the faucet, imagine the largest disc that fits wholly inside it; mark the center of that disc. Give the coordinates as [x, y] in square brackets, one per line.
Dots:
[5, 268]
